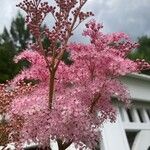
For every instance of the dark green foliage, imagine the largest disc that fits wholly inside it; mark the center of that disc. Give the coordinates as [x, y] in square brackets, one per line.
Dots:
[20, 34]
[7, 67]
[66, 58]
[11, 43]
[143, 51]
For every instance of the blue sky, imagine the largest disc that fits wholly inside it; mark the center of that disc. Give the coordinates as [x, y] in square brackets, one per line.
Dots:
[130, 16]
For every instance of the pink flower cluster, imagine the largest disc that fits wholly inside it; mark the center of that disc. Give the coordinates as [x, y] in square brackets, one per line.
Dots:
[67, 103]
[83, 91]
[38, 68]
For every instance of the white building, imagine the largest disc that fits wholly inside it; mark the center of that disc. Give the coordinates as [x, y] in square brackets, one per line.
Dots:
[132, 128]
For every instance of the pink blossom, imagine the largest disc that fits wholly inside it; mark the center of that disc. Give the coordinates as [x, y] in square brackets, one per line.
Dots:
[70, 103]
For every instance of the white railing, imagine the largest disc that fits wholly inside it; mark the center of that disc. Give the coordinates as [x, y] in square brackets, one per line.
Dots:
[136, 121]
[136, 118]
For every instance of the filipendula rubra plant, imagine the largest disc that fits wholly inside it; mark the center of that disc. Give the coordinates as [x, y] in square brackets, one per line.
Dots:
[68, 103]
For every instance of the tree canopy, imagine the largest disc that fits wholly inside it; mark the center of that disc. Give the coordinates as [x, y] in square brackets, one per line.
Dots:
[143, 51]
[12, 42]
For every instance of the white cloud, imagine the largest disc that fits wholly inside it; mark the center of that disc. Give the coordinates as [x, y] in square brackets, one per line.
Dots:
[8, 10]
[130, 16]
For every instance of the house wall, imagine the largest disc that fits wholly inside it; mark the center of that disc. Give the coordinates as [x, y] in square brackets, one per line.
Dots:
[139, 86]
[114, 134]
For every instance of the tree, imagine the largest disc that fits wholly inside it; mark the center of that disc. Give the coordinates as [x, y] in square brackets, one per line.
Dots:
[20, 34]
[143, 51]
[11, 43]
[7, 66]
[68, 103]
